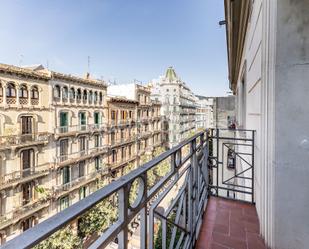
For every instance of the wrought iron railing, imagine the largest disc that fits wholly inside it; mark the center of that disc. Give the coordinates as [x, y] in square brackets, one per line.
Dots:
[175, 202]
[21, 139]
[80, 128]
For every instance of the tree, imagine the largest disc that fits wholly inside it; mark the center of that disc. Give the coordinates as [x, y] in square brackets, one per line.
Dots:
[62, 239]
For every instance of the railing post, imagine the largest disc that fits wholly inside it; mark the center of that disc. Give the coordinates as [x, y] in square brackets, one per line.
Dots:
[123, 202]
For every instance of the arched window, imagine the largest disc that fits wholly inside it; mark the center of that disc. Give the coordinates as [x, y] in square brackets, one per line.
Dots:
[85, 94]
[90, 96]
[101, 97]
[95, 96]
[23, 91]
[79, 94]
[10, 90]
[72, 93]
[35, 92]
[57, 91]
[65, 92]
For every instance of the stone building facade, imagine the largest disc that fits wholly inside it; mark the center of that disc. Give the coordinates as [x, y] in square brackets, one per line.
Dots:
[178, 105]
[61, 137]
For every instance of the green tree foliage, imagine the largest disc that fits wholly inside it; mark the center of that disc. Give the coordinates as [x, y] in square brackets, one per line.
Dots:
[98, 219]
[62, 239]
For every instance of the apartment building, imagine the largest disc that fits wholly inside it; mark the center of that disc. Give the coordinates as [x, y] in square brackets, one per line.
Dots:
[148, 119]
[121, 136]
[204, 117]
[268, 54]
[51, 143]
[178, 105]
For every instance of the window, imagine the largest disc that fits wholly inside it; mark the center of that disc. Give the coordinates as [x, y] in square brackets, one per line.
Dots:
[122, 133]
[23, 91]
[101, 97]
[57, 91]
[123, 153]
[66, 178]
[64, 145]
[97, 163]
[64, 120]
[1, 94]
[114, 156]
[113, 137]
[34, 93]
[65, 92]
[90, 97]
[82, 192]
[26, 125]
[96, 141]
[27, 161]
[113, 115]
[27, 192]
[82, 144]
[72, 93]
[95, 98]
[81, 168]
[79, 94]
[27, 223]
[130, 150]
[97, 118]
[82, 120]
[85, 94]
[10, 90]
[130, 114]
[64, 202]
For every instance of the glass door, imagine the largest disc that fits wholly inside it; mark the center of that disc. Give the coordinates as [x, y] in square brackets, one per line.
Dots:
[64, 122]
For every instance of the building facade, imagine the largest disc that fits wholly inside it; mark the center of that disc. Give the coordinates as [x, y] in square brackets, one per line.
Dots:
[204, 117]
[178, 105]
[268, 54]
[62, 137]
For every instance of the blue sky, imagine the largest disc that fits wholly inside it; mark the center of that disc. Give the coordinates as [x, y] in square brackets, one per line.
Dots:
[125, 39]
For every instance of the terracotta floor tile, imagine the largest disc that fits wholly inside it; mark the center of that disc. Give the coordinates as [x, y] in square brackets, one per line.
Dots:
[229, 225]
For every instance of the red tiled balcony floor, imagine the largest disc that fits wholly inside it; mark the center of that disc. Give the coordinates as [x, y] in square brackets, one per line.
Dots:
[230, 225]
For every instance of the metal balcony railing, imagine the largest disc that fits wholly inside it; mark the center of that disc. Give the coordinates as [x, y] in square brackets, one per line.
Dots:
[21, 174]
[80, 128]
[78, 181]
[22, 139]
[80, 155]
[185, 184]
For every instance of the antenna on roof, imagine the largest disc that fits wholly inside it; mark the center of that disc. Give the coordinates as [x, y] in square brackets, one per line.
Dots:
[88, 64]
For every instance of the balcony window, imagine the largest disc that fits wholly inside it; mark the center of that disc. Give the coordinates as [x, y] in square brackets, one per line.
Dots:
[85, 96]
[82, 192]
[27, 223]
[101, 97]
[113, 137]
[95, 97]
[122, 134]
[65, 93]
[90, 97]
[66, 176]
[82, 120]
[97, 163]
[26, 126]
[82, 144]
[10, 90]
[64, 202]
[130, 150]
[130, 114]
[57, 91]
[97, 118]
[114, 156]
[123, 153]
[23, 91]
[72, 93]
[27, 161]
[79, 94]
[64, 122]
[34, 92]
[27, 192]
[81, 168]
[113, 115]
[64, 145]
[96, 141]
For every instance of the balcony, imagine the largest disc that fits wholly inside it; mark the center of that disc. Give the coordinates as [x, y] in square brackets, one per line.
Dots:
[22, 212]
[78, 182]
[6, 142]
[73, 129]
[17, 177]
[75, 157]
[182, 208]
